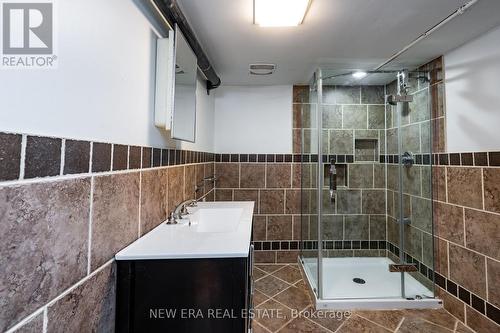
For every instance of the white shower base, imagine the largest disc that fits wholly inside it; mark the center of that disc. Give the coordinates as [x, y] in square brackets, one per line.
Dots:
[382, 289]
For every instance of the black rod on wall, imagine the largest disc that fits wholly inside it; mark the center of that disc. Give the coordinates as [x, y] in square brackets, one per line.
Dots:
[173, 14]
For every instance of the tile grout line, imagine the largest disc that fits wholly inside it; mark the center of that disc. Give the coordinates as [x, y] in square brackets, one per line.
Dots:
[373, 322]
[61, 157]
[45, 320]
[89, 241]
[399, 324]
[140, 206]
[22, 162]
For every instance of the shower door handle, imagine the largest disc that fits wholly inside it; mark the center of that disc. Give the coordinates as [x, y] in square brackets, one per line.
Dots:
[333, 180]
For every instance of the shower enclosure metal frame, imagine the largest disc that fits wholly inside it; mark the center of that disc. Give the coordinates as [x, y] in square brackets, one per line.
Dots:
[367, 303]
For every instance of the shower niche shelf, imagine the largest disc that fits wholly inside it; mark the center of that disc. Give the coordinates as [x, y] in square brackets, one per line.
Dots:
[366, 150]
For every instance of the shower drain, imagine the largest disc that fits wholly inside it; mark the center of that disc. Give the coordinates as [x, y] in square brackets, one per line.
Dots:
[359, 281]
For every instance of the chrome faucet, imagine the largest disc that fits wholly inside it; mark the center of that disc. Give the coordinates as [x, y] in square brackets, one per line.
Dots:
[181, 210]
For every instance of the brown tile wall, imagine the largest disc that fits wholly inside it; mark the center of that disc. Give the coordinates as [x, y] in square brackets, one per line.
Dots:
[273, 187]
[466, 222]
[62, 223]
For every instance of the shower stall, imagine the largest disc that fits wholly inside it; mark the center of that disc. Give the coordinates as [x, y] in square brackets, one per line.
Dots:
[366, 221]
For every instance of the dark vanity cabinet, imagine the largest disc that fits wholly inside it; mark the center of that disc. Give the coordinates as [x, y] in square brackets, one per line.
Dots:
[185, 295]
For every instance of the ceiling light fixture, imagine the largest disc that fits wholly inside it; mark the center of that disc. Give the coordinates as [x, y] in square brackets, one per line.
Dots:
[358, 75]
[279, 13]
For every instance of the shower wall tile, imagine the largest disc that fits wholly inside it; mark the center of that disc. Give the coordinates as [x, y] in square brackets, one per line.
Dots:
[332, 116]
[373, 201]
[421, 214]
[348, 94]
[412, 181]
[10, 156]
[413, 241]
[354, 117]
[44, 243]
[356, 227]
[360, 175]
[373, 94]
[341, 142]
[378, 227]
[376, 116]
[419, 108]
[410, 135]
[329, 96]
[333, 227]
[349, 201]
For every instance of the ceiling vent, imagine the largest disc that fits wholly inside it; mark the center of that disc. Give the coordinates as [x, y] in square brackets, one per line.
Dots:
[262, 69]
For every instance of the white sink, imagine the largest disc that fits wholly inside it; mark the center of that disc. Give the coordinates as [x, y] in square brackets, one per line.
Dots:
[217, 230]
[215, 219]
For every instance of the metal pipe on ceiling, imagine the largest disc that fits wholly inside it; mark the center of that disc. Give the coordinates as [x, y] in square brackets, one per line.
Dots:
[163, 15]
[450, 17]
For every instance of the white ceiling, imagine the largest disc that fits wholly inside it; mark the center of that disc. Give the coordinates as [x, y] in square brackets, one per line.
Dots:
[338, 34]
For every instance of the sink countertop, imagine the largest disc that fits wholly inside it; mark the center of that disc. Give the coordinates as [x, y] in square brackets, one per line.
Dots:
[181, 241]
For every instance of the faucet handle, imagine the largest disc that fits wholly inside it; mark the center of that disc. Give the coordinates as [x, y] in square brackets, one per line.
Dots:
[184, 210]
[171, 219]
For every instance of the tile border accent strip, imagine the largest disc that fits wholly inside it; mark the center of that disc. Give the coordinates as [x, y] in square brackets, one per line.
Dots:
[72, 157]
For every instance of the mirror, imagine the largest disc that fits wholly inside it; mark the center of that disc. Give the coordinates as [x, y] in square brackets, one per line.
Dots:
[184, 90]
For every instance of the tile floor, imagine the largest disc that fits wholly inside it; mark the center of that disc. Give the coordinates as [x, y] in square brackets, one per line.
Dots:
[281, 294]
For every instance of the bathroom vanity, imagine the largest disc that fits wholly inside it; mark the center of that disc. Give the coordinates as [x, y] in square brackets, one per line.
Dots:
[194, 276]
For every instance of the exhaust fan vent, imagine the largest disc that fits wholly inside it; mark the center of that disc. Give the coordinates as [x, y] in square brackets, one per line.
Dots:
[262, 69]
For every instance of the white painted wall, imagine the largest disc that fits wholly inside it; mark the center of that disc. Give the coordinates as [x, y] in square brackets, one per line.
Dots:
[473, 94]
[250, 119]
[103, 88]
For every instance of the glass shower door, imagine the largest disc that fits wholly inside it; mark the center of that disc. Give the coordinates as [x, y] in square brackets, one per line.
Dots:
[415, 166]
[306, 112]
